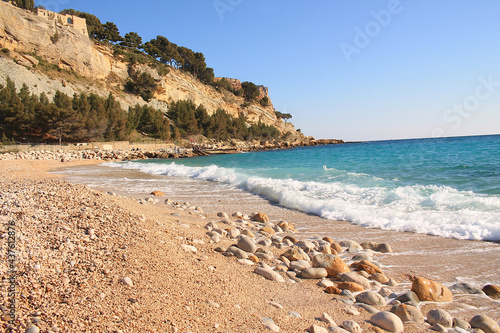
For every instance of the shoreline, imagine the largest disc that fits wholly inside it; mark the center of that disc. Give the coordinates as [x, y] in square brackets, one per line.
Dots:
[230, 275]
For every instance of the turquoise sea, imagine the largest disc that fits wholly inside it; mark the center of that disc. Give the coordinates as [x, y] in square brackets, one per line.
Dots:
[445, 186]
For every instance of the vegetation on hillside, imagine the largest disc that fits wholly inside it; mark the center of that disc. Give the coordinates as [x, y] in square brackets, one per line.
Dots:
[88, 117]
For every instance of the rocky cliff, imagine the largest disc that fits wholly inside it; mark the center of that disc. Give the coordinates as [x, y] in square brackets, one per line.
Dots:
[26, 35]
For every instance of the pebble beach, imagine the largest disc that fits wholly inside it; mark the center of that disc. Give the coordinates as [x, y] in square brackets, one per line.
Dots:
[92, 260]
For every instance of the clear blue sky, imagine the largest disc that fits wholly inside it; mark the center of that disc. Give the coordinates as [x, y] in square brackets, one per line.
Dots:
[355, 70]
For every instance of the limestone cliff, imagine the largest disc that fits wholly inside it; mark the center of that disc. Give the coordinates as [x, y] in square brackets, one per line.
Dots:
[59, 42]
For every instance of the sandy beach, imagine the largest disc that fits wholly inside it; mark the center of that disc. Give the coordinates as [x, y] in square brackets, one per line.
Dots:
[91, 261]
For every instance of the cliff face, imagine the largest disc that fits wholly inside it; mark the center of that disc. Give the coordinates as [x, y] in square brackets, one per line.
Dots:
[67, 46]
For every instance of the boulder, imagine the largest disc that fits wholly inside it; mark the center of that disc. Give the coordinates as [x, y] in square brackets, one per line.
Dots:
[407, 297]
[293, 255]
[383, 247]
[267, 230]
[332, 263]
[306, 246]
[460, 323]
[379, 277]
[492, 291]
[439, 316]
[260, 217]
[354, 277]
[328, 319]
[351, 286]
[368, 245]
[387, 321]
[367, 266]
[351, 246]
[484, 323]
[466, 288]
[352, 326]
[314, 273]
[336, 247]
[427, 290]
[332, 290]
[158, 193]
[247, 244]
[371, 298]
[269, 274]
[300, 265]
[409, 313]
[317, 329]
[291, 238]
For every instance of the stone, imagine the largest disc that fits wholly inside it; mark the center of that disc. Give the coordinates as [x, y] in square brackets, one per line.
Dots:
[368, 308]
[328, 319]
[33, 329]
[484, 323]
[379, 277]
[294, 314]
[371, 298]
[247, 244]
[237, 252]
[368, 245]
[383, 247]
[354, 277]
[293, 254]
[352, 326]
[269, 274]
[351, 246]
[384, 291]
[460, 323]
[260, 217]
[325, 283]
[314, 273]
[332, 290]
[362, 256]
[367, 266]
[351, 286]
[263, 255]
[267, 230]
[439, 316]
[466, 288]
[409, 313]
[317, 329]
[158, 193]
[306, 246]
[347, 293]
[291, 239]
[409, 296]
[427, 290]
[300, 265]
[332, 263]
[248, 233]
[254, 258]
[222, 215]
[351, 310]
[492, 291]
[336, 247]
[387, 321]
[189, 248]
[439, 328]
[127, 281]
[276, 305]
[233, 233]
[336, 329]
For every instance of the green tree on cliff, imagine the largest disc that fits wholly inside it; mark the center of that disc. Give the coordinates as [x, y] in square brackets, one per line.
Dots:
[250, 91]
[132, 39]
[25, 4]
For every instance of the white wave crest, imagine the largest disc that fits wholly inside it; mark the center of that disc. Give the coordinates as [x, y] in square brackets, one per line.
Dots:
[436, 210]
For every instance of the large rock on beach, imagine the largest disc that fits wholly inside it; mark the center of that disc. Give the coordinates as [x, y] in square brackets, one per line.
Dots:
[269, 274]
[247, 244]
[387, 321]
[485, 323]
[260, 217]
[427, 290]
[439, 316]
[293, 255]
[333, 264]
[158, 193]
[367, 266]
[354, 277]
[492, 291]
[371, 298]
[409, 313]
[314, 273]
[351, 286]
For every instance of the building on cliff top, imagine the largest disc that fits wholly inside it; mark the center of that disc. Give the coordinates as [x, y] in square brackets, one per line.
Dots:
[77, 23]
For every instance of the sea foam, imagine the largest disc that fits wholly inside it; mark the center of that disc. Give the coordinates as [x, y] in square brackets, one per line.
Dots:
[430, 209]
